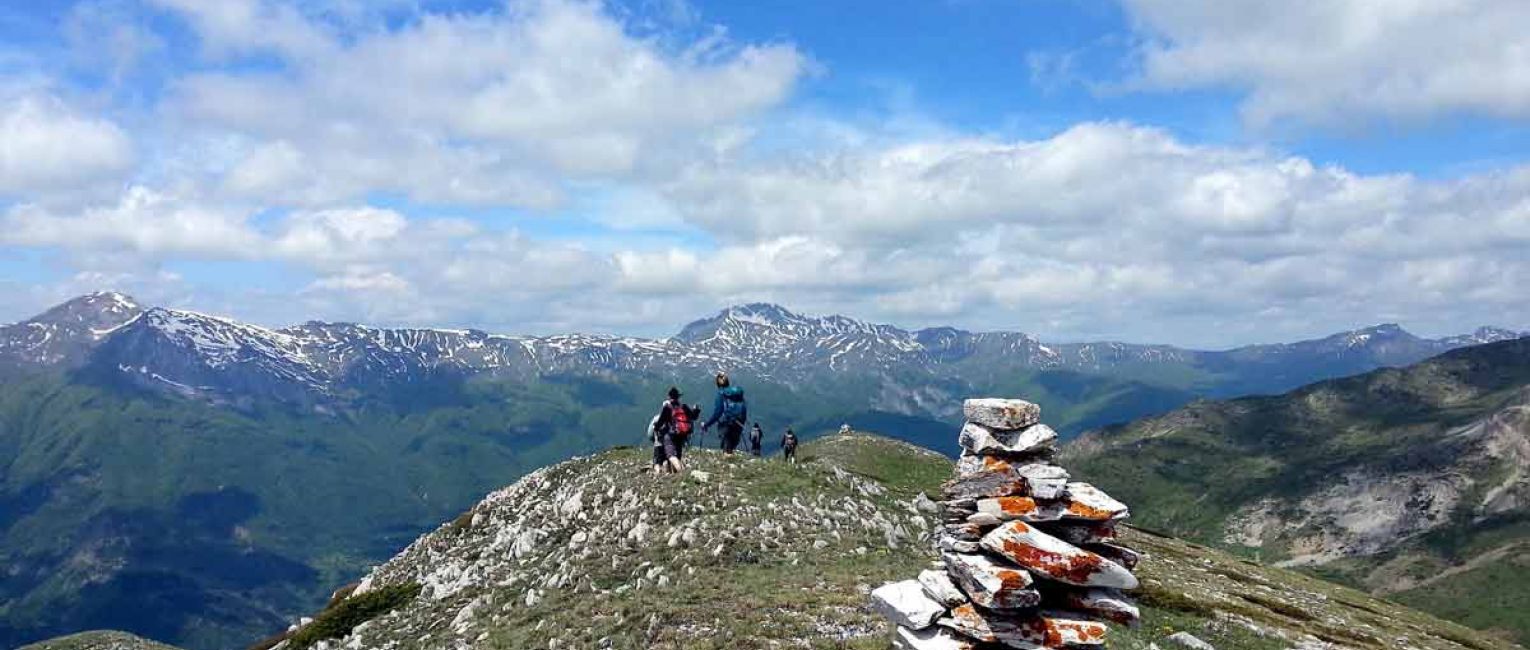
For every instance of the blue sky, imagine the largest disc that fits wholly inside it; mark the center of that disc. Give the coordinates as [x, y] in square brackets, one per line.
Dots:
[1199, 172]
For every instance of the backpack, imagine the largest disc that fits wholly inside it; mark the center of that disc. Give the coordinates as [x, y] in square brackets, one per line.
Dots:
[734, 409]
[680, 422]
[790, 442]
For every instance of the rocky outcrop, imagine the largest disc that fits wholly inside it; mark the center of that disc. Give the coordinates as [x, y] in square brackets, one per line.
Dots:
[99, 640]
[1027, 554]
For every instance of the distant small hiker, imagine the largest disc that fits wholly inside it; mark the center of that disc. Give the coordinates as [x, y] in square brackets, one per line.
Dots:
[789, 446]
[844, 429]
[756, 436]
[730, 411]
[673, 428]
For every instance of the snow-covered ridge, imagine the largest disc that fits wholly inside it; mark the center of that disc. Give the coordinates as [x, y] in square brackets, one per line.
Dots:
[220, 340]
[759, 339]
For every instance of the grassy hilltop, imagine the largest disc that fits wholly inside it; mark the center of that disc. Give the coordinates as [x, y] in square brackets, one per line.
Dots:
[593, 552]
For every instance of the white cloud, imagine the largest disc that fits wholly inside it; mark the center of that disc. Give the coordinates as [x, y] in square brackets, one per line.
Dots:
[110, 36]
[475, 108]
[142, 222]
[233, 27]
[1090, 175]
[340, 233]
[1104, 228]
[47, 146]
[788, 264]
[684, 200]
[1335, 61]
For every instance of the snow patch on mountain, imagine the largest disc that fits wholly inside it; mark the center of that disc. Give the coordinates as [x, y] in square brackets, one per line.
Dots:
[761, 339]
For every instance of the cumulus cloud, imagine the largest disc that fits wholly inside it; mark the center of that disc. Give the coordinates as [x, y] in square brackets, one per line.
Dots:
[141, 222]
[1102, 230]
[1091, 175]
[1102, 227]
[277, 143]
[478, 108]
[1336, 60]
[45, 145]
[233, 27]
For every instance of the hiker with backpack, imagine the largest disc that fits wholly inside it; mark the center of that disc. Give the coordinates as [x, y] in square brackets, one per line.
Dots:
[789, 446]
[673, 428]
[730, 411]
[756, 436]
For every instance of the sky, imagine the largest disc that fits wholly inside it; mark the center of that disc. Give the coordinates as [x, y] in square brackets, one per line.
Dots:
[1204, 173]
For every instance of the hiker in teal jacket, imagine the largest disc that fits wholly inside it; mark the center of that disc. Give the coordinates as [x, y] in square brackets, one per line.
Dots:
[730, 411]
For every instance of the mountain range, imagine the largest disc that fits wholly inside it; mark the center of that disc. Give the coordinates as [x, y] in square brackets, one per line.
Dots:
[160, 466]
[333, 365]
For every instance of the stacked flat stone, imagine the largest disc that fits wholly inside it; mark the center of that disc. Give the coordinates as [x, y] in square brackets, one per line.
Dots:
[1028, 557]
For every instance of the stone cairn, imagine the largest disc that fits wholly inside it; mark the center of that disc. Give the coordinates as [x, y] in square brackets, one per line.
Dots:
[1027, 557]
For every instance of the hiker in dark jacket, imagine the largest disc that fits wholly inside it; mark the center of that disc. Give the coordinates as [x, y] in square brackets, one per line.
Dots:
[730, 411]
[756, 436]
[674, 424]
[789, 446]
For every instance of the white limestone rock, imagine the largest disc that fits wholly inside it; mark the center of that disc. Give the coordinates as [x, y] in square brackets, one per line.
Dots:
[979, 477]
[1056, 559]
[906, 604]
[1088, 502]
[933, 638]
[1188, 640]
[938, 585]
[986, 441]
[991, 584]
[1024, 631]
[1007, 414]
[1108, 604]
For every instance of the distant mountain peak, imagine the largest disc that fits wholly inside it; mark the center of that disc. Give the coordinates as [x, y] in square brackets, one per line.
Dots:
[1375, 334]
[67, 331]
[1489, 334]
[763, 313]
[101, 306]
[1382, 330]
[113, 298]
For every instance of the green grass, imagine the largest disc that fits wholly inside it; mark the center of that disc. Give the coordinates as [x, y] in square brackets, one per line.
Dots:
[895, 464]
[342, 617]
[1493, 597]
[1188, 472]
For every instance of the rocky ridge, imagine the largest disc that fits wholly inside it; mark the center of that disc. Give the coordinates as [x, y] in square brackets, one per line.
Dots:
[596, 553]
[582, 553]
[99, 640]
[1027, 559]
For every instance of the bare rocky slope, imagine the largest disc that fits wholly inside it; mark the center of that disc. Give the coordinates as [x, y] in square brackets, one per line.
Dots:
[743, 553]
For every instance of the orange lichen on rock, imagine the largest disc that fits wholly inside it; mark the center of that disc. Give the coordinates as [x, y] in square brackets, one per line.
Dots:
[1023, 547]
[1053, 558]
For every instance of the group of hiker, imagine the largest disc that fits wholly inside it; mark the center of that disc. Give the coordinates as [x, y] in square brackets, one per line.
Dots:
[672, 428]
